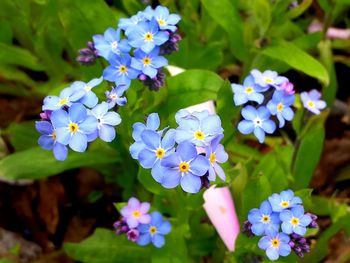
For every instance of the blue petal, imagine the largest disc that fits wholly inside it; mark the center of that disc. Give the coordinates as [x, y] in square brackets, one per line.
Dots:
[200, 165]
[220, 172]
[265, 208]
[300, 230]
[44, 127]
[269, 126]
[78, 142]
[240, 98]
[164, 228]
[150, 72]
[183, 135]
[254, 216]
[138, 128]
[257, 97]
[112, 118]
[245, 127]
[110, 73]
[168, 140]
[264, 243]
[89, 125]
[158, 240]
[272, 253]
[60, 151]
[63, 135]
[264, 113]
[287, 194]
[46, 142]
[249, 113]
[286, 215]
[153, 121]
[284, 250]
[287, 227]
[77, 112]
[151, 139]
[260, 134]
[100, 110]
[158, 172]
[90, 99]
[283, 237]
[288, 114]
[258, 229]
[107, 133]
[191, 183]
[305, 220]
[144, 239]
[136, 148]
[211, 125]
[147, 158]
[173, 160]
[172, 178]
[298, 210]
[221, 155]
[159, 62]
[59, 118]
[156, 218]
[186, 151]
[280, 119]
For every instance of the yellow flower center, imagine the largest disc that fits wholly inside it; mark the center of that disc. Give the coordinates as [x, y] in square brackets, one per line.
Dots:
[265, 219]
[146, 61]
[73, 127]
[284, 204]
[136, 214]
[53, 136]
[123, 69]
[87, 88]
[294, 221]
[152, 230]
[249, 90]
[311, 104]
[161, 22]
[275, 242]
[148, 36]
[267, 80]
[62, 102]
[199, 135]
[160, 153]
[184, 167]
[114, 44]
[280, 106]
[212, 158]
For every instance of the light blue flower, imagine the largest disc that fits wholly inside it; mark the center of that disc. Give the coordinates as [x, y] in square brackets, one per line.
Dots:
[311, 101]
[280, 105]
[127, 24]
[136, 213]
[146, 36]
[83, 92]
[249, 91]
[115, 96]
[48, 140]
[110, 43]
[216, 154]
[184, 167]
[155, 150]
[72, 127]
[257, 121]
[295, 220]
[275, 244]
[284, 200]
[120, 70]
[148, 63]
[105, 122]
[267, 78]
[154, 231]
[152, 123]
[66, 98]
[199, 128]
[165, 20]
[263, 220]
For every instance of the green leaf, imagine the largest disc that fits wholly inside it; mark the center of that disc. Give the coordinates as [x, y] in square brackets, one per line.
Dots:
[11, 55]
[133, 6]
[300, 9]
[262, 15]
[104, 246]
[22, 135]
[296, 58]
[119, 206]
[225, 13]
[37, 163]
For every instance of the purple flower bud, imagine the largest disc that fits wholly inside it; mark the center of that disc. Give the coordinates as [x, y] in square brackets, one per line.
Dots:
[247, 229]
[291, 244]
[133, 234]
[142, 77]
[288, 88]
[313, 223]
[87, 56]
[171, 45]
[46, 115]
[121, 227]
[156, 83]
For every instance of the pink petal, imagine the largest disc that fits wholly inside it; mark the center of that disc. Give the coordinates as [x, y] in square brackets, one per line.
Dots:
[134, 203]
[220, 208]
[145, 219]
[144, 207]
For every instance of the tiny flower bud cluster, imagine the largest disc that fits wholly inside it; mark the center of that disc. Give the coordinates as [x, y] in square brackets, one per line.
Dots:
[282, 223]
[140, 226]
[195, 159]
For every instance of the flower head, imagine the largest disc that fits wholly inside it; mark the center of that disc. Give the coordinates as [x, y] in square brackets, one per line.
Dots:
[133, 235]
[249, 91]
[136, 213]
[66, 98]
[295, 221]
[216, 154]
[127, 24]
[279, 105]
[312, 102]
[83, 92]
[154, 231]
[257, 121]
[267, 78]
[115, 96]
[284, 200]
[165, 20]
[275, 244]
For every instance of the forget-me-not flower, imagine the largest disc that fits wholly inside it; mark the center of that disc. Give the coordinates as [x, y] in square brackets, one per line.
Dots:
[115, 96]
[154, 231]
[249, 91]
[165, 20]
[72, 127]
[279, 105]
[284, 200]
[128, 24]
[312, 102]
[216, 154]
[267, 78]
[275, 244]
[295, 220]
[66, 98]
[184, 167]
[263, 220]
[257, 121]
[83, 92]
[136, 213]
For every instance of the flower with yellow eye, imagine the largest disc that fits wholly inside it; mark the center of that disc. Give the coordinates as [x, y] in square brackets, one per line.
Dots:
[263, 220]
[267, 78]
[136, 213]
[276, 244]
[295, 221]
[284, 200]
[165, 20]
[279, 105]
[311, 101]
[216, 154]
[249, 91]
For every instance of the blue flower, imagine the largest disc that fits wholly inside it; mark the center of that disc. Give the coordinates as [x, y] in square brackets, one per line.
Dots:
[120, 71]
[155, 150]
[110, 43]
[295, 220]
[127, 24]
[165, 20]
[184, 167]
[257, 121]
[152, 123]
[83, 92]
[249, 91]
[280, 105]
[263, 220]
[146, 36]
[154, 231]
[312, 102]
[106, 120]
[73, 127]
[284, 200]
[275, 244]
[216, 154]
[148, 63]
[115, 96]
[66, 98]
[199, 128]
[48, 140]
[267, 78]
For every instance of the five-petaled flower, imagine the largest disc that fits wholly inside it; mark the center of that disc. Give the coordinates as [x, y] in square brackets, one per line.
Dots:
[295, 220]
[263, 220]
[275, 244]
[284, 200]
[279, 105]
[136, 213]
[312, 102]
[249, 91]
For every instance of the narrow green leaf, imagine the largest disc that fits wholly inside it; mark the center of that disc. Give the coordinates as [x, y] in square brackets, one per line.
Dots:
[297, 58]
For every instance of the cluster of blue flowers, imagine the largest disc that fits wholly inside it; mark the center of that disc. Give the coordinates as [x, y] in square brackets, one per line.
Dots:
[282, 223]
[149, 35]
[141, 227]
[188, 155]
[75, 118]
[257, 89]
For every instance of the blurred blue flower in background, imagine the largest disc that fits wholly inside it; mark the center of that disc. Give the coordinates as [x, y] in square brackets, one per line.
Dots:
[311, 101]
